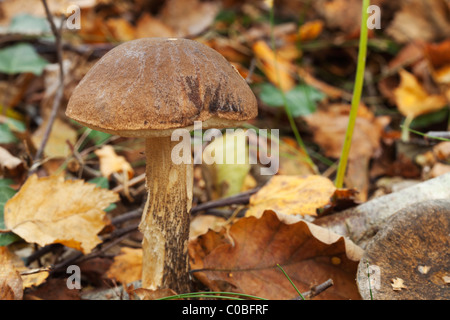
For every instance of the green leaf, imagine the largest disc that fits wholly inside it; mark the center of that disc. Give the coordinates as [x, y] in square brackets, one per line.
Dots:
[101, 182]
[6, 193]
[301, 100]
[428, 119]
[15, 125]
[6, 182]
[6, 135]
[28, 24]
[98, 137]
[21, 57]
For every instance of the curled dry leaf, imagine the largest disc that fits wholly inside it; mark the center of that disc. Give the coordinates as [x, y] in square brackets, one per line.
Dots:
[244, 259]
[292, 195]
[398, 284]
[30, 277]
[111, 163]
[7, 160]
[203, 223]
[277, 69]
[310, 30]
[438, 55]
[411, 23]
[329, 126]
[10, 281]
[412, 99]
[50, 210]
[127, 266]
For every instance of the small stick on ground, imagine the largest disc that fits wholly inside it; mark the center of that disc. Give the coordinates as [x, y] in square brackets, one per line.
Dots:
[316, 290]
[60, 90]
[241, 198]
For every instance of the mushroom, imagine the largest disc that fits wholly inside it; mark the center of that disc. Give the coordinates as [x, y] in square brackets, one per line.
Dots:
[408, 258]
[147, 88]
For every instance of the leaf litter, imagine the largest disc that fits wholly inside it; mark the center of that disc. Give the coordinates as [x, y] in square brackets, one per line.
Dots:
[55, 215]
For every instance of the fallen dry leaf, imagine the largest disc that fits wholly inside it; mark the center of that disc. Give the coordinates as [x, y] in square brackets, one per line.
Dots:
[292, 195]
[189, 17]
[147, 294]
[56, 146]
[438, 54]
[120, 29]
[442, 151]
[398, 284]
[50, 210]
[292, 159]
[310, 30]
[11, 287]
[329, 126]
[342, 14]
[330, 91]
[274, 67]
[439, 169]
[148, 26]
[423, 269]
[30, 277]
[127, 266]
[412, 99]
[53, 289]
[111, 163]
[203, 223]
[420, 20]
[244, 259]
[446, 279]
[34, 277]
[7, 160]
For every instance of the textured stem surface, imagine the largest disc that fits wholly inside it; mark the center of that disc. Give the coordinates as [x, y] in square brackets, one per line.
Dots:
[165, 221]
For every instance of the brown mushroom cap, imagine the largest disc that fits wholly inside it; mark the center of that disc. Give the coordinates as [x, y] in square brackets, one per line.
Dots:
[413, 245]
[148, 87]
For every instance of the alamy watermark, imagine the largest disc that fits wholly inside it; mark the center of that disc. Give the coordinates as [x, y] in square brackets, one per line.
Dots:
[222, 153]
[74, 280]
[374, 20]
[73, 21]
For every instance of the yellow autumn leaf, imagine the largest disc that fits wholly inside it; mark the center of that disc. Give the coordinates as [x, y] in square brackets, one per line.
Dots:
[292, 195]
[310, 30]
[111, 163]
[412, 100]
[127, 266]
[30, 277]
[10, 280]
[56, 146]
[50, 210]
[277, 69]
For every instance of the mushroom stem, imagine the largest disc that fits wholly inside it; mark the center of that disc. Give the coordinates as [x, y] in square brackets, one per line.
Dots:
[165, 222]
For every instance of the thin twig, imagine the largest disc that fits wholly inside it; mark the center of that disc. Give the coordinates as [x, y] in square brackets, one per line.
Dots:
[241, 198]
[316, 290]
[115, 237]
[131, 183]
[130, 215]
[40, 252]
[60, 90]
